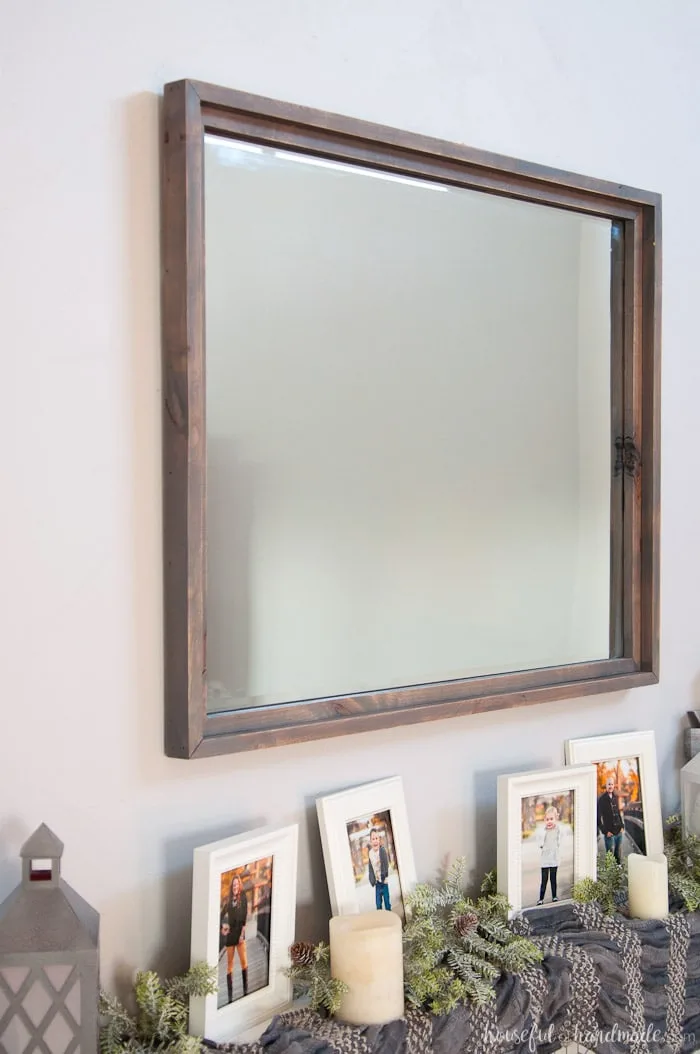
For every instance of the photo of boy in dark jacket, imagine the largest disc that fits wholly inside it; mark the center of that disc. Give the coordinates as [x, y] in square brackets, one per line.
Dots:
[379, 870]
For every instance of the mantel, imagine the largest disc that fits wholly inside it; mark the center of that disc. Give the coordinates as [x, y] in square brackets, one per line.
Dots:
[606, 983]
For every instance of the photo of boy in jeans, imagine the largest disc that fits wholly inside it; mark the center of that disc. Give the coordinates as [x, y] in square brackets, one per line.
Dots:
[375, 865]
[379, 870]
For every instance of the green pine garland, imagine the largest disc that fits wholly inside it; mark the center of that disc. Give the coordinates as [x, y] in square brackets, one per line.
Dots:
[311, 977]
[455, 947]
[683, 856]
[162, 1014]
[608, 888]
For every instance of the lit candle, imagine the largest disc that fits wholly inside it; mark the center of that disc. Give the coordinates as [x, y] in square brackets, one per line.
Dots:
[648, 886]
[367, 953]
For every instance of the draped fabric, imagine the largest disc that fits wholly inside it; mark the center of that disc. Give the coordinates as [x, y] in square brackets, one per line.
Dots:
[611, 984]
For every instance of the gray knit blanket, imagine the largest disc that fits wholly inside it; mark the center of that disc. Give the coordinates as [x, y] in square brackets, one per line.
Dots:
[611, 984]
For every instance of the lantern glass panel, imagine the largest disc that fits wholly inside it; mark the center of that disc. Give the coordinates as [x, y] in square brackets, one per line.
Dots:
[73, 1001]
[58, 1034]
[690, 796]
[16, 1036]
[58, 974]
[14, 976]
[36, 1002]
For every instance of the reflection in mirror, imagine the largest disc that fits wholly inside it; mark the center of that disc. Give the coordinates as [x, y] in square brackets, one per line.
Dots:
[408, 391]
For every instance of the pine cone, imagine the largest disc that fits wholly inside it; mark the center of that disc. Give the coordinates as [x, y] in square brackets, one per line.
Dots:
[466, 923]
[302, 953]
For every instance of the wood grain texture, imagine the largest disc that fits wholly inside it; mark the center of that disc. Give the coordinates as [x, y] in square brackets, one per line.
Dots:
[617, 429]
[454, 170]
[471, 692]
[633, 426]
[241, 738]
[184, 425]
[226, 104]
[650, 527]
[190, 109]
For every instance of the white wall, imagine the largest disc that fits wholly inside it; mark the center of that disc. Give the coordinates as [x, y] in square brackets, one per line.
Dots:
[610, 90]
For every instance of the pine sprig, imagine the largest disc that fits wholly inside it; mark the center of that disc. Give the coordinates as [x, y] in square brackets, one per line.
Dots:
[118, 1027]
[311, 977]
[196, 982]
[162, 1014]
[489, 884]
[455, 947]
[683, 856]
[608, 889]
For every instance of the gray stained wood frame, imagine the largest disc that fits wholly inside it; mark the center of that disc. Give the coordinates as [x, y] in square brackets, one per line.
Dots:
[192, 108]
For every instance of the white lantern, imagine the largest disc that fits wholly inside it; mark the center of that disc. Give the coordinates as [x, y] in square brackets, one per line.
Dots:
[49, 982]
[690, 796]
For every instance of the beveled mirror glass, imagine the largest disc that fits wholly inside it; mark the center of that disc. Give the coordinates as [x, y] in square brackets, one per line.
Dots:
[411, 401]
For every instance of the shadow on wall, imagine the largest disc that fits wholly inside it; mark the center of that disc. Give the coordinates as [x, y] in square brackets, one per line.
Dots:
[174, 956]
[313, 913]
[138, 165]
[486, 811]
[13, 833]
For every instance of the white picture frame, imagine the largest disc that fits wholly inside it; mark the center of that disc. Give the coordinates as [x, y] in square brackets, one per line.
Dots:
[515, 874]
[598, 750]
[345, 824]
[249, 857]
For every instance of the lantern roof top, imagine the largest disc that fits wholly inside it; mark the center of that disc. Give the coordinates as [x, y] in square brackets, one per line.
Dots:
[43, 843]
[692, 767]
[44, 913]
[46, 920]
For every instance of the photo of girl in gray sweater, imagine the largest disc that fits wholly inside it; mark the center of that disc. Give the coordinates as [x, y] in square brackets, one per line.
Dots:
[550, 848]
[547, 848]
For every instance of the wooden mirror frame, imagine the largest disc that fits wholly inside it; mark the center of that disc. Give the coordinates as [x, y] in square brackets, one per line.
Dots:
[192, 108]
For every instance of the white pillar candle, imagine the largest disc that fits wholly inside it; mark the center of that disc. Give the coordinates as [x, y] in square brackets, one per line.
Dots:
[648, 886]
[367, 953]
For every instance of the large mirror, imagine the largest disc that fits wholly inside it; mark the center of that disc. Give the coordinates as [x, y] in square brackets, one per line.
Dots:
[411, 413]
